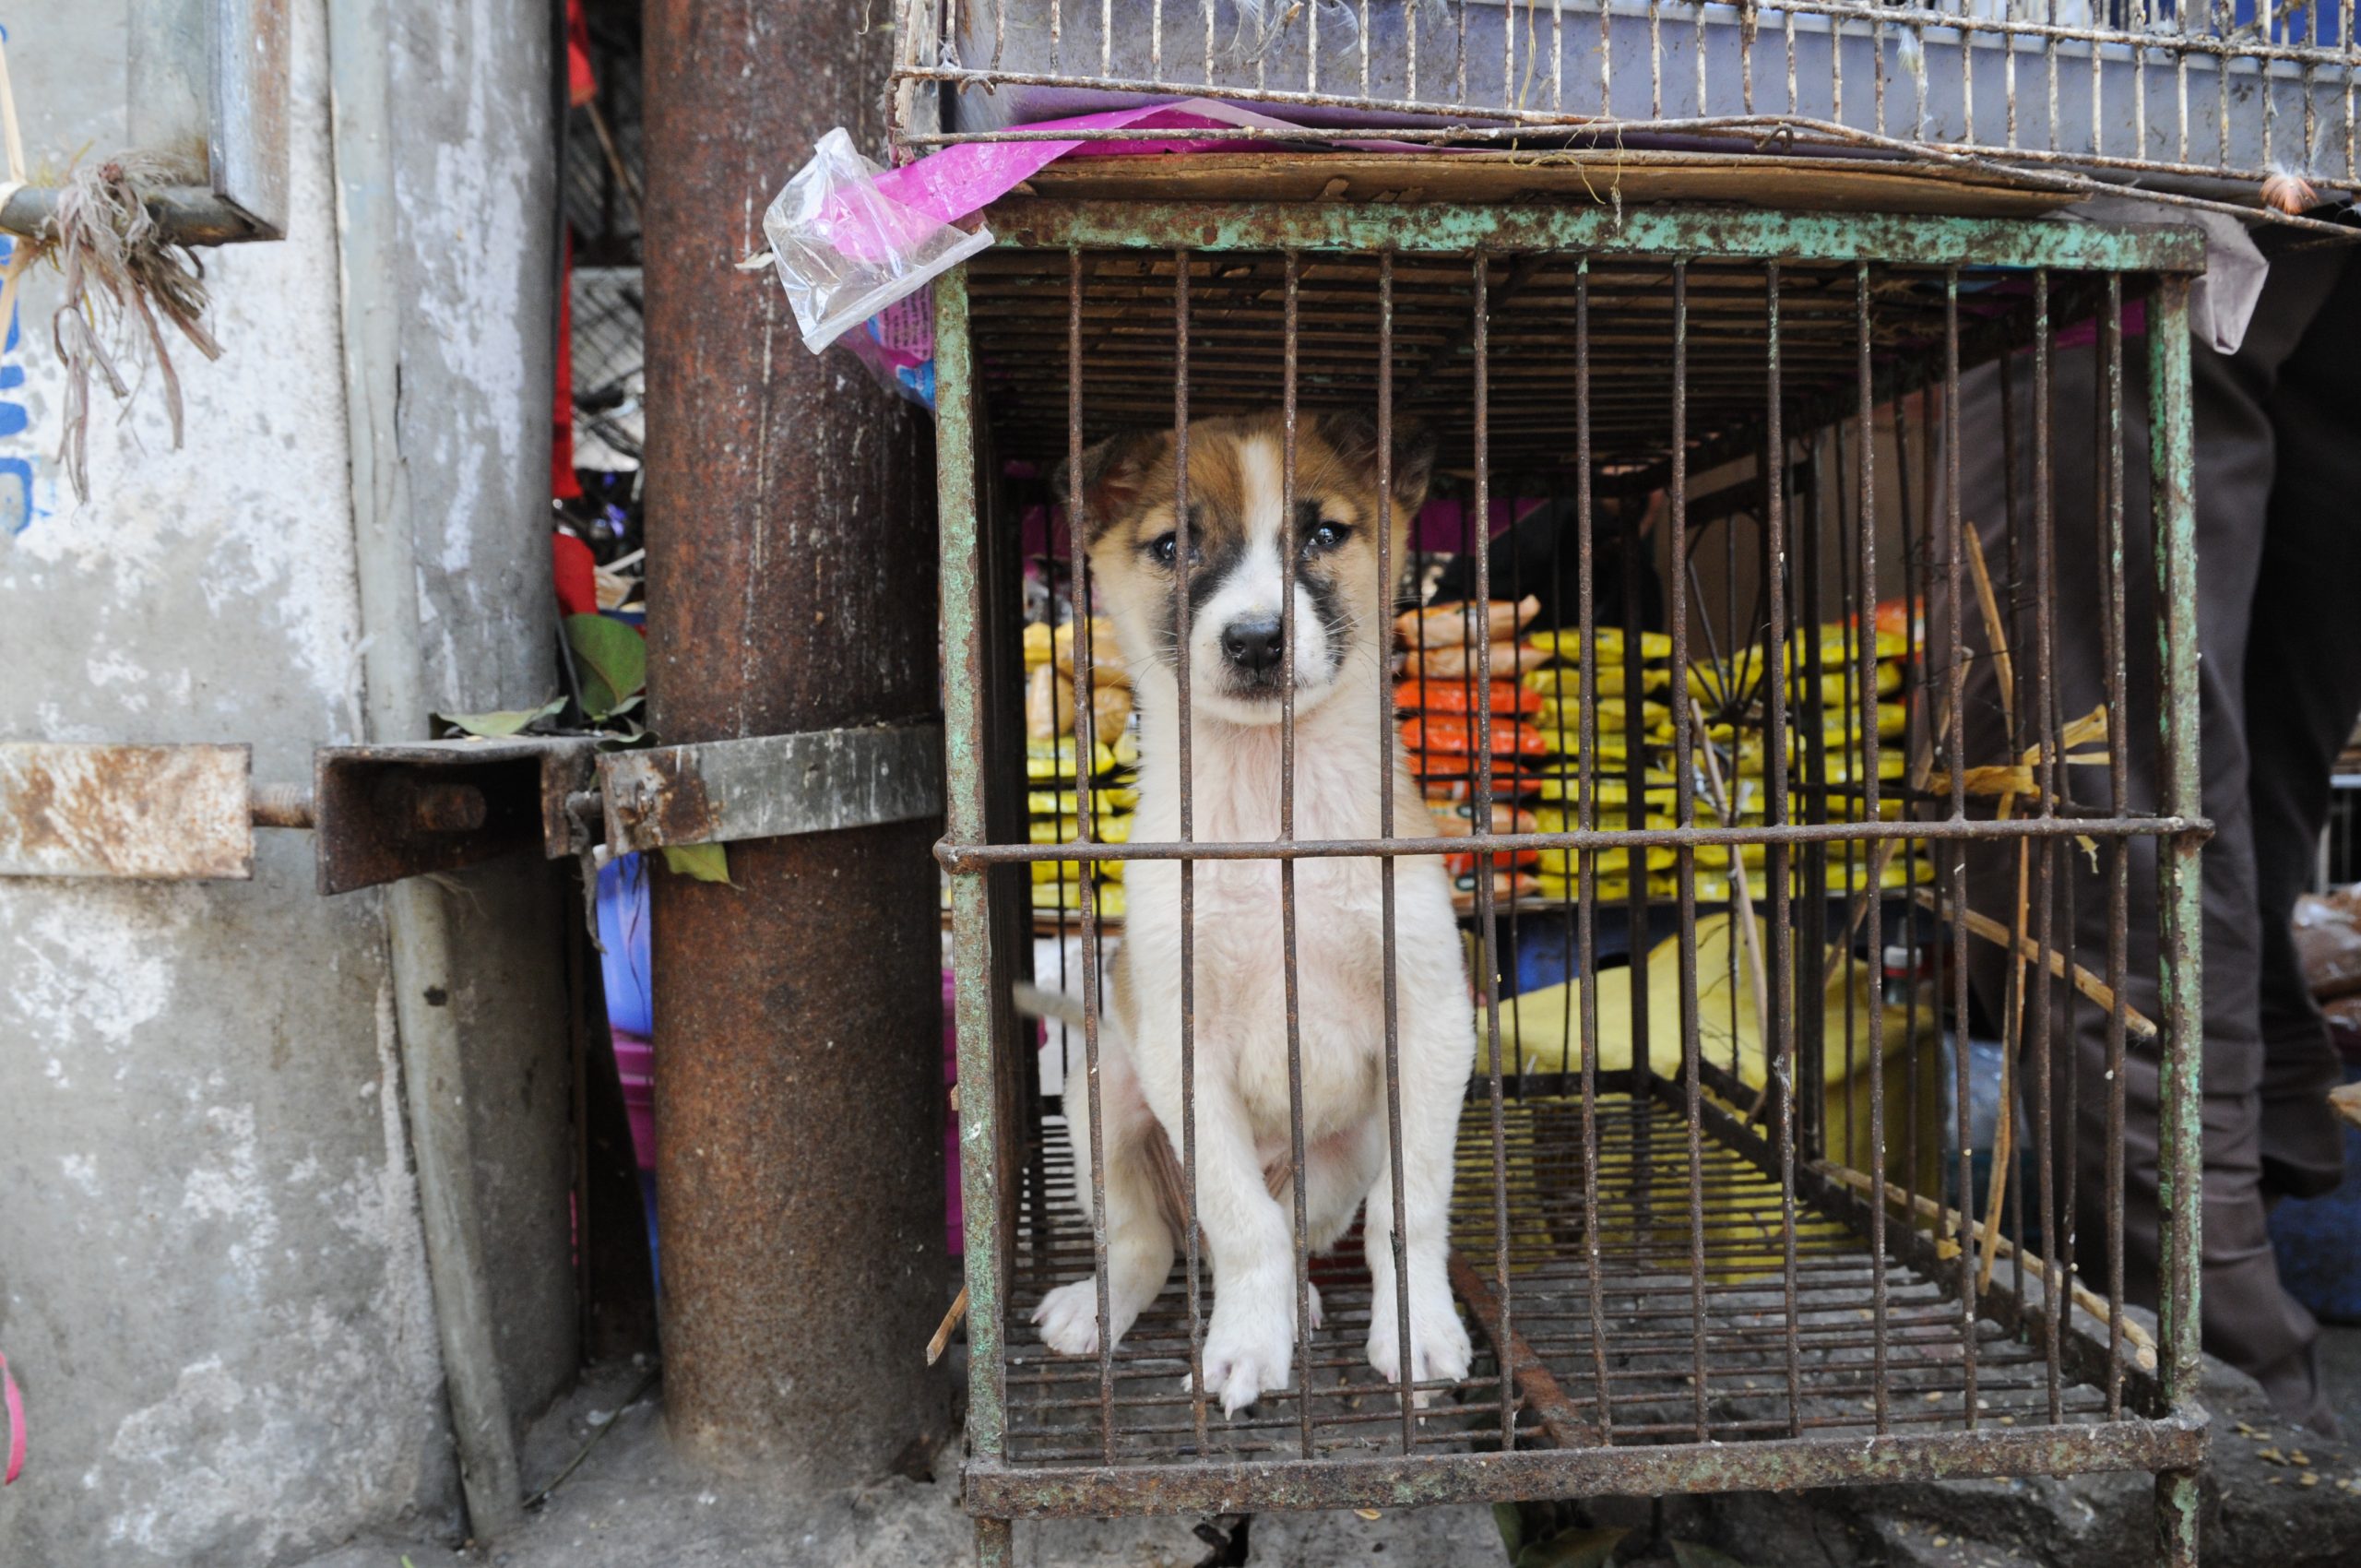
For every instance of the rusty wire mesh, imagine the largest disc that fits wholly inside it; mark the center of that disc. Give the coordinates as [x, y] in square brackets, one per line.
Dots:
[2188, 94]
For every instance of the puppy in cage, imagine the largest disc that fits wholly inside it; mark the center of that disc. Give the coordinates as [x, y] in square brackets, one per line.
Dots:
[1242, 653]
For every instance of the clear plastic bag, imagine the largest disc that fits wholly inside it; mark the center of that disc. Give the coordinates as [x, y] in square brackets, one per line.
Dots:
[1262, 22]
[845, 250]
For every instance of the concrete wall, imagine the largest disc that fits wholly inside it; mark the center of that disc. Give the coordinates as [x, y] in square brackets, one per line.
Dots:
[212, 1285]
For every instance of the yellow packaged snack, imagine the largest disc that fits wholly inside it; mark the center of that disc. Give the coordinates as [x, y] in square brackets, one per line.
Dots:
[1613, 713]
[1568, 863]
[1115, 827]
[1105, 799]
[1046, 760]
[1566, 683]
[1566, 643]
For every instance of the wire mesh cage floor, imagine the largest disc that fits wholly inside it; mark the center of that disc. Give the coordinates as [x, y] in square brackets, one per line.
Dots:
[1680, 1276]
[1768, 1340]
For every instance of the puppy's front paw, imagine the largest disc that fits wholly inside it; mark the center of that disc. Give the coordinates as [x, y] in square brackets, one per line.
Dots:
[1068, 1318]
[1246, 1353]
[1439, 1345]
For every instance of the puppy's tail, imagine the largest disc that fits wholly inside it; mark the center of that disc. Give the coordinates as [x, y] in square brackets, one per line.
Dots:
[1049, 1006]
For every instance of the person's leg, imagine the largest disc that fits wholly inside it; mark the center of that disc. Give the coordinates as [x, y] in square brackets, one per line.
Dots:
[2303, 693]
[2249, 1320]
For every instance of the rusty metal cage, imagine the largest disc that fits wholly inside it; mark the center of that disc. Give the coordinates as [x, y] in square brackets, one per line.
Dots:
[1683, 1270]
[2205, 101]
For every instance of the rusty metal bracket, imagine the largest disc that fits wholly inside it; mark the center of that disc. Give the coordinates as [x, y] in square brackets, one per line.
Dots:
[771, 786]
[384, 812]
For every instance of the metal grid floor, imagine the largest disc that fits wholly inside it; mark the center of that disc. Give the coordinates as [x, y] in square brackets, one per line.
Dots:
[1730, 1351]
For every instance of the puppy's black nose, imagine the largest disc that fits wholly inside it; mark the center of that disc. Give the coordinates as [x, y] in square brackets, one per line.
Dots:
[1255, 647]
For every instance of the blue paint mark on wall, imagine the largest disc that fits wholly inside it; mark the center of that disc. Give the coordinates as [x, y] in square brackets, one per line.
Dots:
[16, 468]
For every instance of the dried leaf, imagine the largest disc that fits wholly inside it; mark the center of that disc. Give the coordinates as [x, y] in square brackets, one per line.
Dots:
[1690, 1555]
[1571, 1548]
[504, 721]
[1510, 1521]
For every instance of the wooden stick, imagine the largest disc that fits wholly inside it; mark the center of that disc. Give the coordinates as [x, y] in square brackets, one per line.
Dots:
[1727, 807]
[2089, 984]
[2004, 1141]
[935, 1346]
[2143, 1345]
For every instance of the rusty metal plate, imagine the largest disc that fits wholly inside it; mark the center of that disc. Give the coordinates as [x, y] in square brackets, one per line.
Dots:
[163, 813]
[384, 812]
[771, 786]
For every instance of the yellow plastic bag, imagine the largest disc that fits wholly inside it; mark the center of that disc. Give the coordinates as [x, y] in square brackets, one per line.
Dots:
[1535, 1028]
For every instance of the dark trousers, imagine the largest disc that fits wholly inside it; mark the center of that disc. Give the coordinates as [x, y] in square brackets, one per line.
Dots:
[2278, 449]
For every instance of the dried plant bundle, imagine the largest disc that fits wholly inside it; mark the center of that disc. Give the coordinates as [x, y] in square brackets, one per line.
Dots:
[124, 279]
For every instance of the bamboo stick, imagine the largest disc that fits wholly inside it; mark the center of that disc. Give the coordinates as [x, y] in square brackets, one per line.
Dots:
[2143, 1344]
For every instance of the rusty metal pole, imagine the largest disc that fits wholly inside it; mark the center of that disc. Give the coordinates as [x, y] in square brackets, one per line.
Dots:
[791, 587]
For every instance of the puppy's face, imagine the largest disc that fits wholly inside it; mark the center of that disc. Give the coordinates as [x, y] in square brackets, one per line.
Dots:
[1240, 652]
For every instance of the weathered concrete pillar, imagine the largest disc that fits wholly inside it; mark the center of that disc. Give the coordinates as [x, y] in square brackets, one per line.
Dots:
[791, 587]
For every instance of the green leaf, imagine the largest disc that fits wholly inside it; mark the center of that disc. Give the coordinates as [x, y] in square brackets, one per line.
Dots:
[1510, 1524]
[1571, 1548]
[705, 863]
[613, 662]
[1688, 1555]
[504, 721]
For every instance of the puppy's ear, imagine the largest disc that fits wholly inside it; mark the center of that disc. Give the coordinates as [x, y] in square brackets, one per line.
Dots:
[1353, 434]
[1414, 462]
[1113, 473]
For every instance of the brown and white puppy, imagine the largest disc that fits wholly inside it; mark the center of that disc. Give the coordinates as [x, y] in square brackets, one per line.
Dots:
[1239, 659]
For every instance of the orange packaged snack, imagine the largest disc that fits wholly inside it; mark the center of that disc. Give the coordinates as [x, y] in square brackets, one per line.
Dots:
[1440, 695]
[1435, 733]
[1461, 865]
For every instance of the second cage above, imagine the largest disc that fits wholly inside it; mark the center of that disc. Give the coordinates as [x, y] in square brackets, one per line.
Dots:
[2206, 99]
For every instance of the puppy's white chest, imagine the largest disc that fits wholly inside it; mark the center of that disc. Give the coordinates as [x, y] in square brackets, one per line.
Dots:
[1241, 939]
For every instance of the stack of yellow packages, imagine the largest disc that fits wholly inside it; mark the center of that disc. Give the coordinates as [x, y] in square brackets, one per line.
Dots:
[1825, 745]
[1053, 796]
[1562, 682]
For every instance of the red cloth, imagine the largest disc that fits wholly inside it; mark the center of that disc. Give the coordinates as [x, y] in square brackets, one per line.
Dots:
[563, 486]
[581, 83]
[577, 587]
[581, 87]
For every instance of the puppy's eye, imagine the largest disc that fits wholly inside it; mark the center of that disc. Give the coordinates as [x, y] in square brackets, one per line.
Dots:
[1164, 548]
[1326, 536]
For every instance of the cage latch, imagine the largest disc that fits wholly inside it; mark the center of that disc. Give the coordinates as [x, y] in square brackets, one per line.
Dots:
[771, 786]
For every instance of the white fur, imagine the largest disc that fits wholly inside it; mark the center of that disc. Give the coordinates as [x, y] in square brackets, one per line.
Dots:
[1254, 591]
[1242, 1103]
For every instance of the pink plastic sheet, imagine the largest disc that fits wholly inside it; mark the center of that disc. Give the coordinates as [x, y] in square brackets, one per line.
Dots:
[969, 177]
